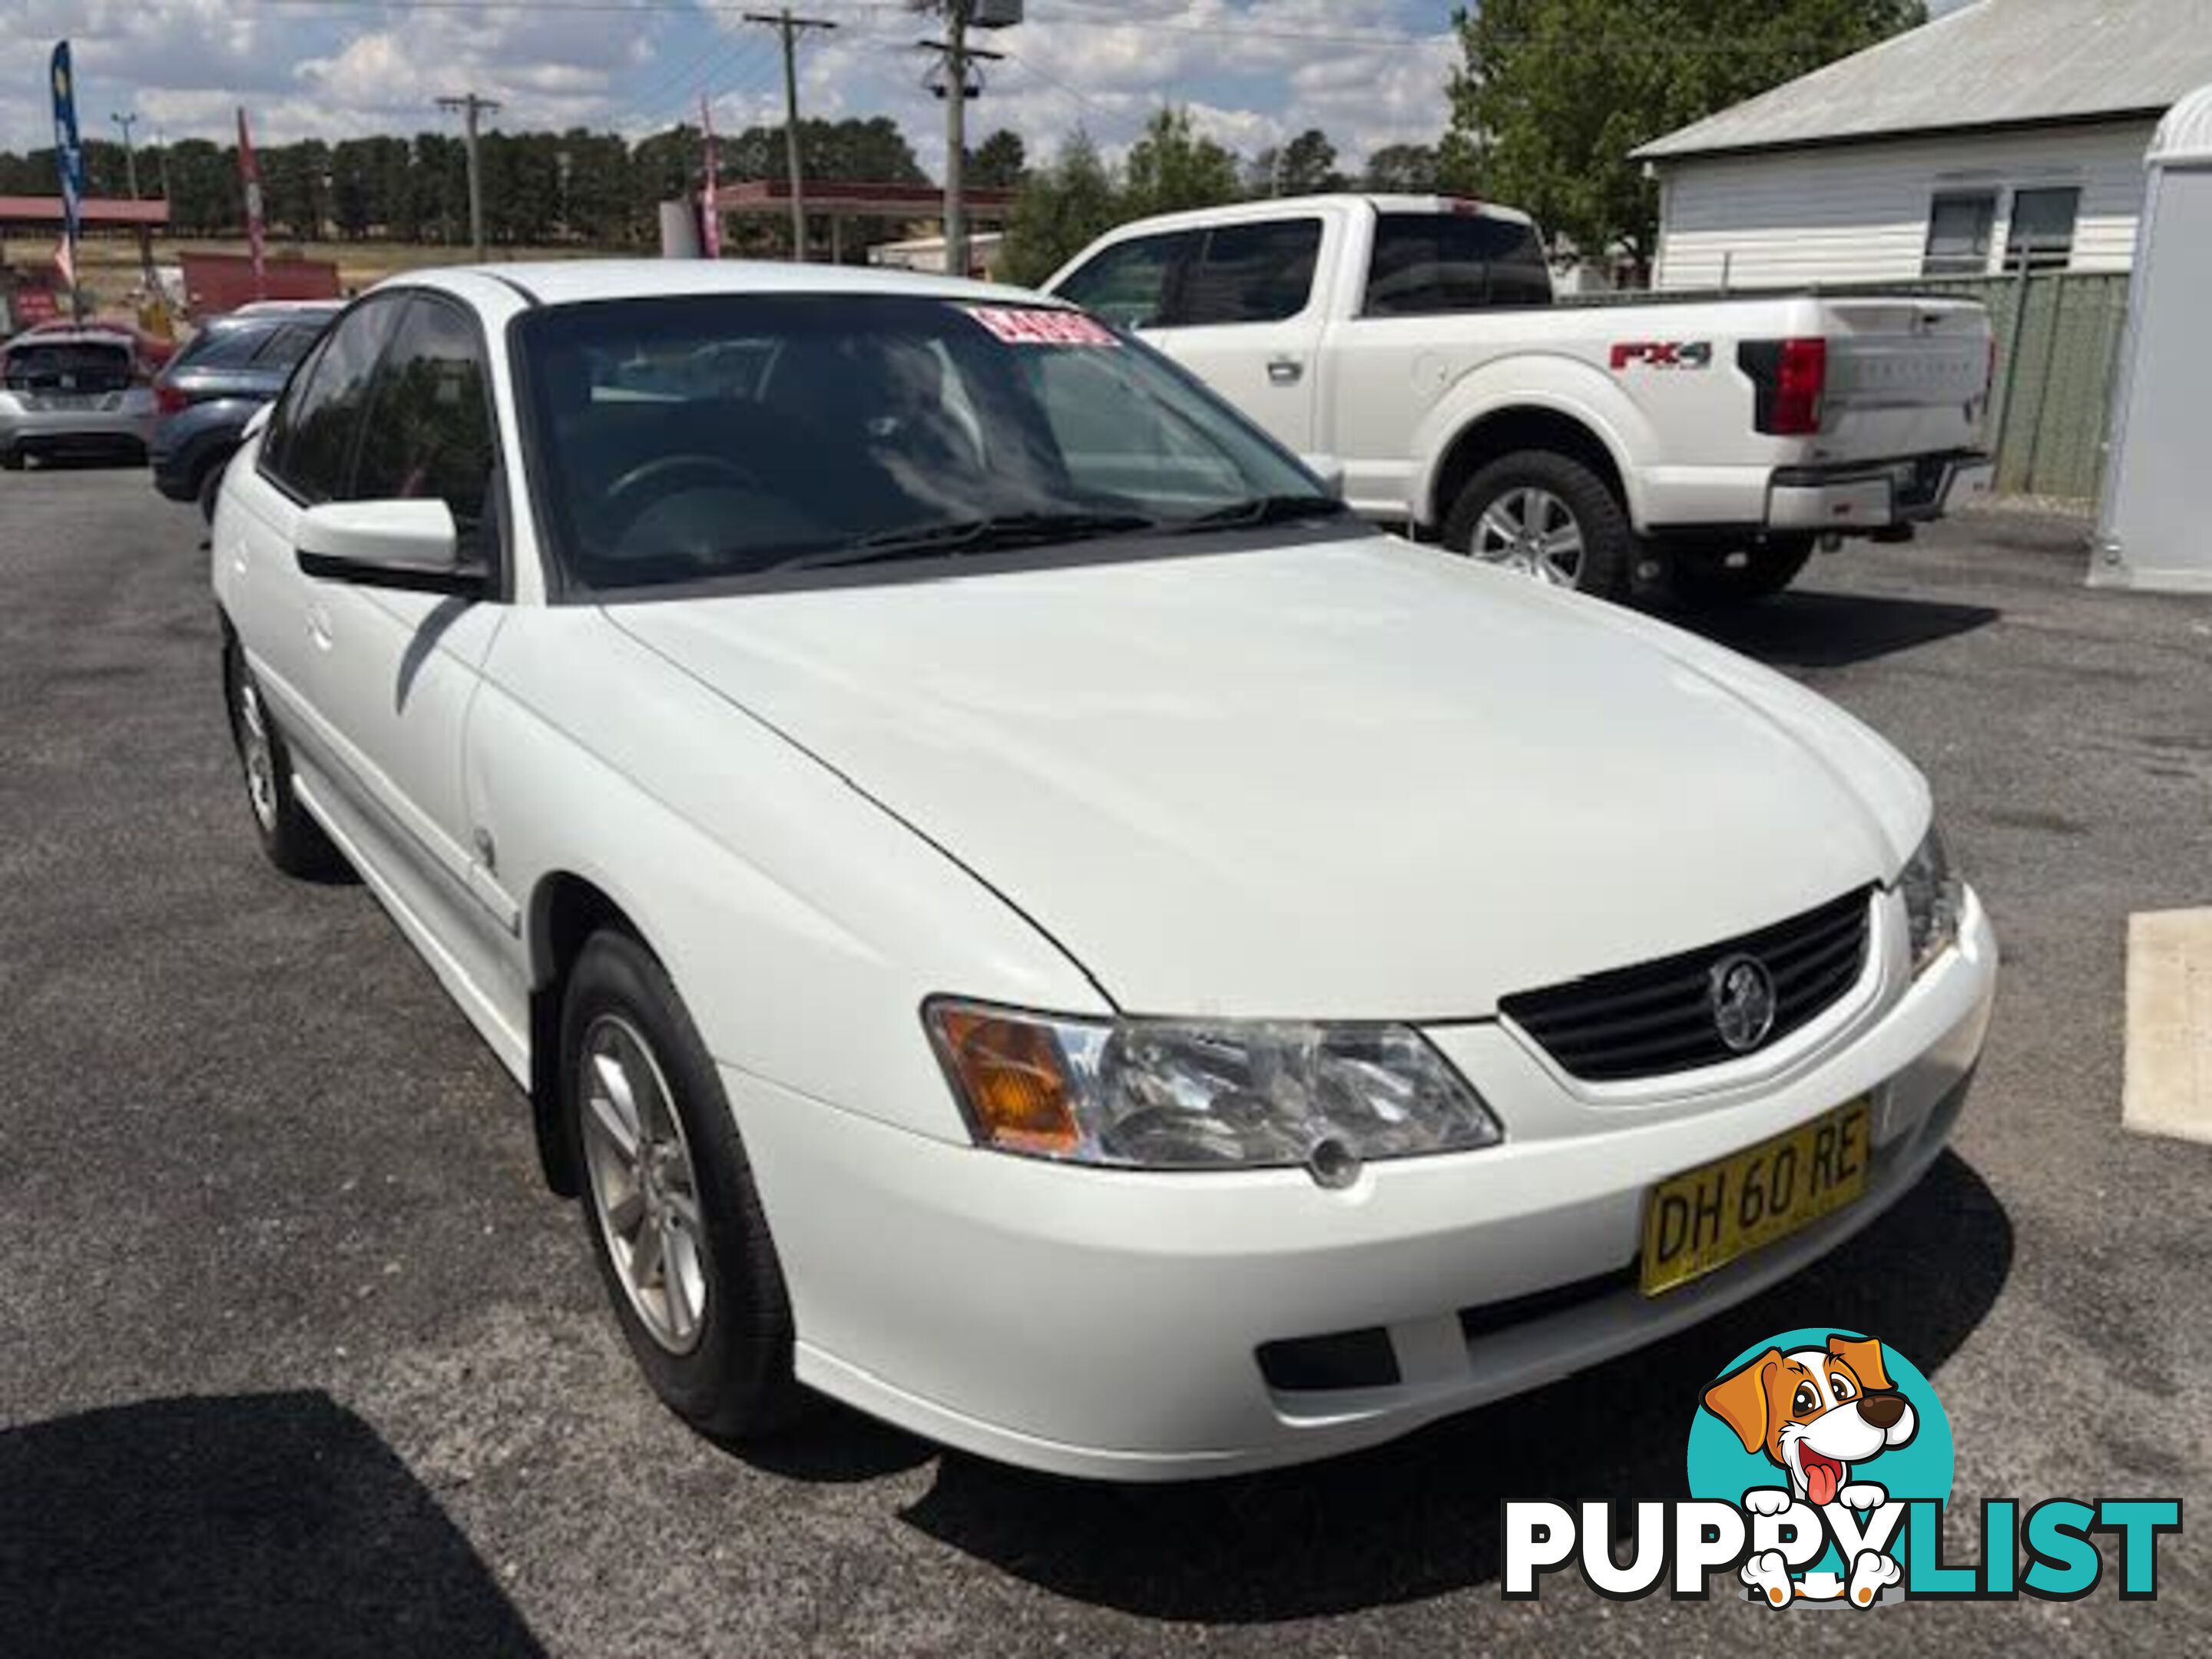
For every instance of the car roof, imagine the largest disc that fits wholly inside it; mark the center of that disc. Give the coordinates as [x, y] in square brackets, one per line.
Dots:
[1289, 207]
[45, 335]
[576, 282]
[281, 309]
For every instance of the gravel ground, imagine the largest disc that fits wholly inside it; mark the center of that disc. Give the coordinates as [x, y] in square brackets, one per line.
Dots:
[297, 1357]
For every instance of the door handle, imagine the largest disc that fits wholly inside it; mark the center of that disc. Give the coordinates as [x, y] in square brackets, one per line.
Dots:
[1287, 371]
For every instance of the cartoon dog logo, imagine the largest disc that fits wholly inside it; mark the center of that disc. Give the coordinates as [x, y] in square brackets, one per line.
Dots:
[1816, 1413]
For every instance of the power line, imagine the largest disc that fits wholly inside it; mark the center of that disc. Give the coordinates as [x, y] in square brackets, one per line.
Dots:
[1057, 18]
[791, 29]
[674, 88]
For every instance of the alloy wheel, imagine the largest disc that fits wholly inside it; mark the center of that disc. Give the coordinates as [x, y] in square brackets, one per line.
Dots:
[644, 1186]
[1531, 531]
[256, 753]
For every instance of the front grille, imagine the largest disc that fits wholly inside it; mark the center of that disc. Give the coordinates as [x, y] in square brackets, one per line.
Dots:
[1657, 1018]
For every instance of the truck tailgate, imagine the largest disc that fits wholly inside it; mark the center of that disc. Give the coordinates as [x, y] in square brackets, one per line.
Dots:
[1906, 377]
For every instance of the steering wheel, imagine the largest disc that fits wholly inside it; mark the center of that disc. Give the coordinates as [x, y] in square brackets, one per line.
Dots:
[669, 472]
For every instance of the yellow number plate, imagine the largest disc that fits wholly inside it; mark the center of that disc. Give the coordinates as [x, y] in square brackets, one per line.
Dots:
[1705, 1219]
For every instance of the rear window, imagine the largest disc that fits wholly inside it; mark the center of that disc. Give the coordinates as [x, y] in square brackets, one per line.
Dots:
[68, 366]
[223, 348]
[1430, 263]
[285, 346]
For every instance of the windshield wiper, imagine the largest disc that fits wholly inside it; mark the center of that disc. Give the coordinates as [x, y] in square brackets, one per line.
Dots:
[974, 536]
[1263, 510]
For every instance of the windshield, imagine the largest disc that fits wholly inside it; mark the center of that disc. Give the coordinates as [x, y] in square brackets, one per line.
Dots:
[685, 440]
[68, 366]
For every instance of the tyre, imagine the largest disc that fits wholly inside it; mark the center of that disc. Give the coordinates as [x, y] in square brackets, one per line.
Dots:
[210, 485]
[1711, 575]
[11, 461]
[292, 840]
[1547, 516]
[674, 1220]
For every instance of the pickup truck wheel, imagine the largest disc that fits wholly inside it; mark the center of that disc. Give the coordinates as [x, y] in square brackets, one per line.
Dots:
[1711, 575]
[1547, 516]
[675, 1221]
[291, 840]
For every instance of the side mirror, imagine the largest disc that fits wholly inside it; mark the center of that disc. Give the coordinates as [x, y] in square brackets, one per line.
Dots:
[409, 544]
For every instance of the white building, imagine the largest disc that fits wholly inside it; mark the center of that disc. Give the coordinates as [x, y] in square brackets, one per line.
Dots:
[2004, 127]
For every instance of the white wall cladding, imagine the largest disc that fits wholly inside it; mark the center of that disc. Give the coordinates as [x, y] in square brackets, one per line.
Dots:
[1858, 212]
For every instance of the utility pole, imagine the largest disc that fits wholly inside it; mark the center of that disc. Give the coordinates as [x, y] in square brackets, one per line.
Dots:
[161, 141]
[955, 87]
[791, 29]
[472, 109]
[129, 152]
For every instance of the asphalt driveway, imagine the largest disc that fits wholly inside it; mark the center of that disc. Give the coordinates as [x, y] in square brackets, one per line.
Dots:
[296, 1356]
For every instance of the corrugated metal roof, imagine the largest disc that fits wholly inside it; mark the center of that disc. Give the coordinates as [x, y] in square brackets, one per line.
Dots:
[2184, 138]
[1997, 63]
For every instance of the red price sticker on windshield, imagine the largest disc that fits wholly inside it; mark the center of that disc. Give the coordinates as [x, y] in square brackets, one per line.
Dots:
[1027, 327]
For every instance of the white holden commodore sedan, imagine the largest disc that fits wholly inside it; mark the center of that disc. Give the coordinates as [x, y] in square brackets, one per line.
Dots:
[1011, 910]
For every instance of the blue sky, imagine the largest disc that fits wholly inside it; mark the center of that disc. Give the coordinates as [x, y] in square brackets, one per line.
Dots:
[1368, 72]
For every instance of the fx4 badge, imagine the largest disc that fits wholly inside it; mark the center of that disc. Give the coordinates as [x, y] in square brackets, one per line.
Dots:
[1664, 354]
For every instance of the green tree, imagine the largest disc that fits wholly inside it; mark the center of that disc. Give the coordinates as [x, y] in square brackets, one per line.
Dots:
[206, 197]
[1172, 168]
[1307, 166]
[1060, 209]
[356, 202]
[1555, 94]
[1409, 167]
[999, 162]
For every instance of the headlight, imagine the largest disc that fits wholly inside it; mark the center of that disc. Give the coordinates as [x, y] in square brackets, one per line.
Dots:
[1176, 1095]
[1933, 898]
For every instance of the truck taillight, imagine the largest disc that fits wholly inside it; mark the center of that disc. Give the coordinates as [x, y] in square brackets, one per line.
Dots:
[167, 399]
[1790, 377]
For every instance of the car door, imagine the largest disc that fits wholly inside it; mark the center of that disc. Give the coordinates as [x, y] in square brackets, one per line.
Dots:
[395, 671]
[303, 457]
[1246, 318]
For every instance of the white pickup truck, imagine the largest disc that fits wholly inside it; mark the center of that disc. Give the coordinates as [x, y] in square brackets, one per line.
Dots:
[1410, 347]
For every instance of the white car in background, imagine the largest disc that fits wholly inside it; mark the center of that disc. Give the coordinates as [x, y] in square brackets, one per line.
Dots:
[1016, 911]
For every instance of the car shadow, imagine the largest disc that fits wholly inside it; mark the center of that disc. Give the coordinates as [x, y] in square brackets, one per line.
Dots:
[271, 1523]
[1420, 1517]
[1809, 630]
[103, 460]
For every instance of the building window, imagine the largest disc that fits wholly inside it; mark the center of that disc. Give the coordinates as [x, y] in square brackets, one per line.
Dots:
[1959, 235]
[2042, 230]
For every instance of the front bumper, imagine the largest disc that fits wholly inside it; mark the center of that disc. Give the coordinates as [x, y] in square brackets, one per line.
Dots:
[1848, 500]
[1107, 1323]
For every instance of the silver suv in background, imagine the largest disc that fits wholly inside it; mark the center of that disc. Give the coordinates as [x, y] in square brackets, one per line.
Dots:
[70, 392]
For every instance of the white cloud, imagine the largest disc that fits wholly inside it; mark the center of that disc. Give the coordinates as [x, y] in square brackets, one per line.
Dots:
[1250, 71]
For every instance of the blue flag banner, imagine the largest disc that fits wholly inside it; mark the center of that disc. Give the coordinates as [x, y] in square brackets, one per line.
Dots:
[69, 153]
